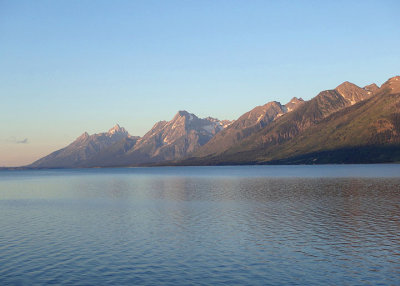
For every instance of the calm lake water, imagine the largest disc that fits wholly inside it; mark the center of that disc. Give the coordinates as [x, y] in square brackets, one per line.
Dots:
[252, 225]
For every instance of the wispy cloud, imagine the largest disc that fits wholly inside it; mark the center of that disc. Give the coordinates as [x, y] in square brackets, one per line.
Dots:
[15, 140]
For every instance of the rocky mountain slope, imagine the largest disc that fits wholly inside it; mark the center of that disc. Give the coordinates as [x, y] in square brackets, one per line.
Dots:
[246, 125]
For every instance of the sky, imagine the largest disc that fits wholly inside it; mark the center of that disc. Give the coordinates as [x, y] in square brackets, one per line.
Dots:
[67, 67]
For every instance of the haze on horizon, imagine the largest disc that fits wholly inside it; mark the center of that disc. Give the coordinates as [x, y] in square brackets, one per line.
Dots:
[74, 66]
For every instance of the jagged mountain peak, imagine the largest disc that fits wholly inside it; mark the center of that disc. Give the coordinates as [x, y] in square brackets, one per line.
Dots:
[117, 130]
[371, 88]
[351, 92]
[189, 121]
[274, 102]
[345, 84]
[184, 116]
[296, 100]
[183, 113]
[259, 113]
[347, 88]
[83, 136]
[293, 104]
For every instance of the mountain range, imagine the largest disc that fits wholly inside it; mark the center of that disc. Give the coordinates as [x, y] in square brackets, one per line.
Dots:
[348, 124]
[166, 141]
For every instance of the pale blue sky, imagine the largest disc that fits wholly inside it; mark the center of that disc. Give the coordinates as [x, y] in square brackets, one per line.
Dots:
[72, 66]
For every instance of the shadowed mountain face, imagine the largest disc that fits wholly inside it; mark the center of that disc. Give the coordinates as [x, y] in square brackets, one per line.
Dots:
[83, 148]
[342, 119]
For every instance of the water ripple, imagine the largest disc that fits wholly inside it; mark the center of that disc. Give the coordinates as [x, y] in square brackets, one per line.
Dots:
[123, 229]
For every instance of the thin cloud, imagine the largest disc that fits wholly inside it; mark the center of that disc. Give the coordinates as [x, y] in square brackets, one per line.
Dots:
[14, 140]
[25, 141]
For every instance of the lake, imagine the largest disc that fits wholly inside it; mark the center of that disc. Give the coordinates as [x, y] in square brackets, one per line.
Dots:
[247, 225]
